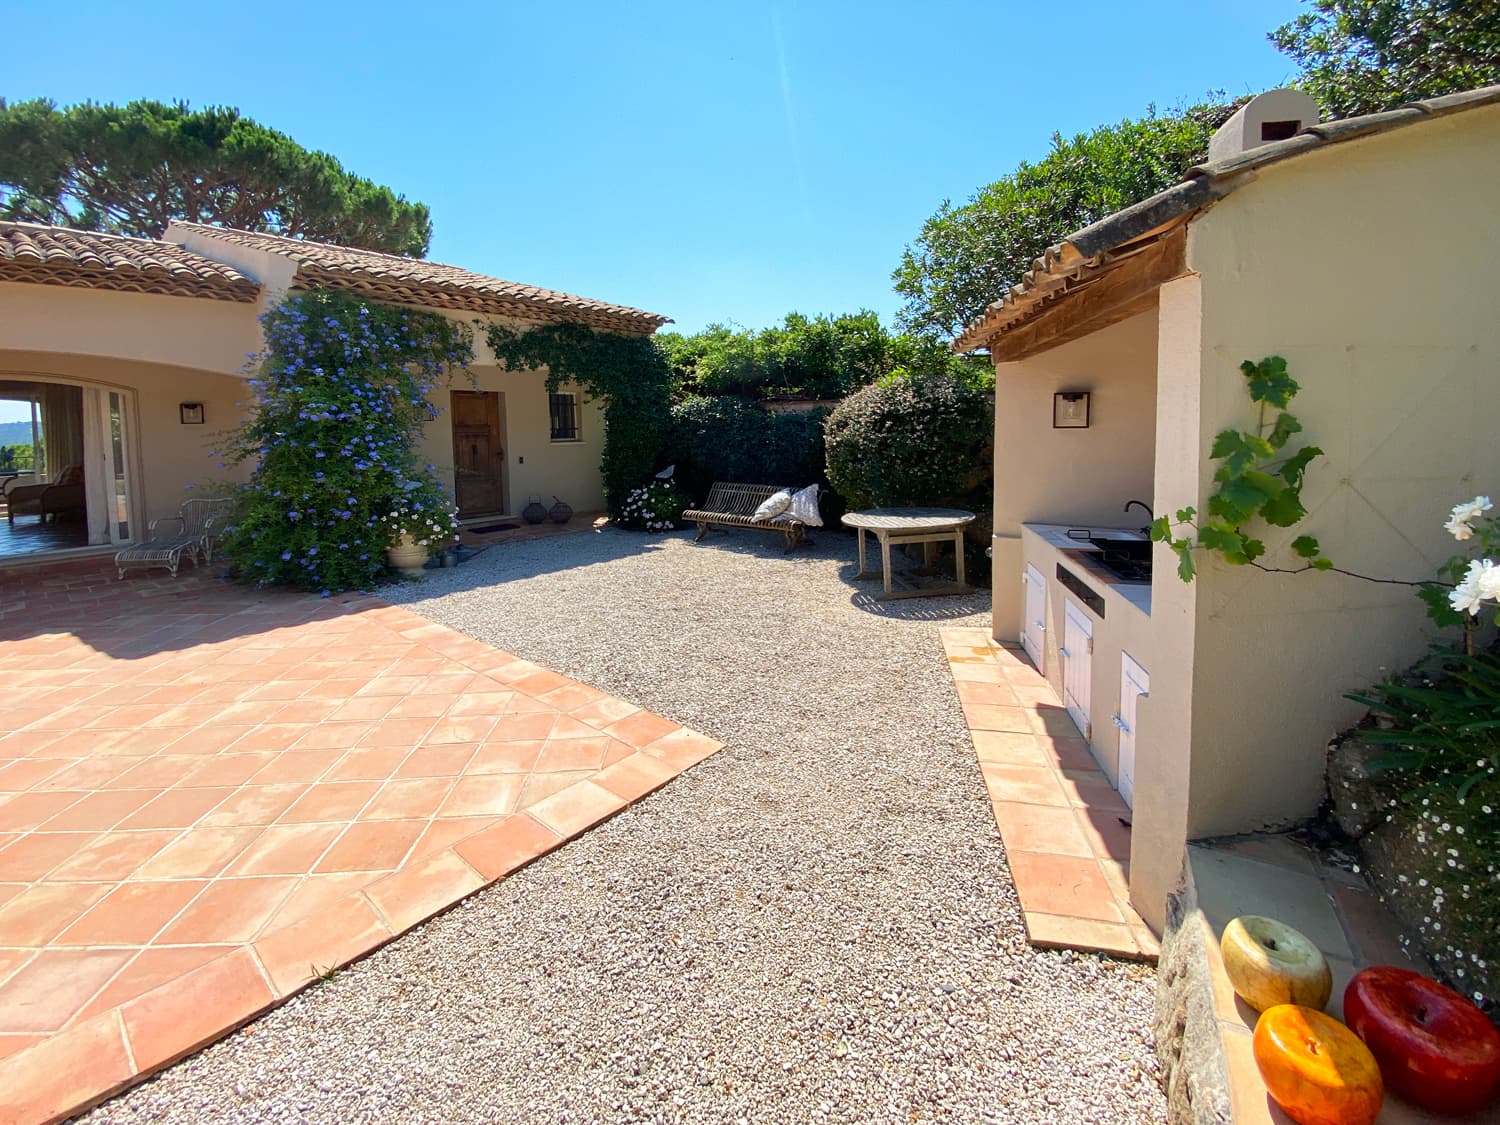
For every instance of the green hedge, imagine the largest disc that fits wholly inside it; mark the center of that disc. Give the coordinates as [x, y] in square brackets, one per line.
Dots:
[733, 439]
[912, 440]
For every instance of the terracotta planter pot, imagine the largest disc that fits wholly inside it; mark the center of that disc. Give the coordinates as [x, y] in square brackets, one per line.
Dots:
[406, 556]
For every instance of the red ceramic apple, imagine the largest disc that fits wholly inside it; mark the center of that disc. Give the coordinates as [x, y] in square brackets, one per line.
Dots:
[1434, 1047]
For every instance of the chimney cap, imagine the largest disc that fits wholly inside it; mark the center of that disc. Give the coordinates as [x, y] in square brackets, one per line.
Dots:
[1266, 118]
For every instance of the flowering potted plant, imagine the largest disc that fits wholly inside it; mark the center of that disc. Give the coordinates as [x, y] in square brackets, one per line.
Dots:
[420, 520]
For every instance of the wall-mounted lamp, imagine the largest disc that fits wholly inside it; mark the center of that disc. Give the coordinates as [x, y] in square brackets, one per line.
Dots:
[191, 413]
[1070, 410]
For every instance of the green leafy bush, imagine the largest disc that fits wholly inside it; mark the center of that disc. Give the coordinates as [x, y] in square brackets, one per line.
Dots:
[1438, 851]
[911, 440]
[734, 439]
[342, 394]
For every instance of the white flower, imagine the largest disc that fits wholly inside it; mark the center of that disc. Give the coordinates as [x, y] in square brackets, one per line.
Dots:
[1463, 516]
[1481, 582]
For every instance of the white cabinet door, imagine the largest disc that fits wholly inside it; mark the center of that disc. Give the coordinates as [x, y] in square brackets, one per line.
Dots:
[1034, 629]
[1135, 685]
[1077, 652]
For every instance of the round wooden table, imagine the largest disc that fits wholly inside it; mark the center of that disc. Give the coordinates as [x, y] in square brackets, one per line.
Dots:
[911, 525]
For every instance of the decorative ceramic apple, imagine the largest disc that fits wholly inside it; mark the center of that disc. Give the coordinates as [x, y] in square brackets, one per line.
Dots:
[1434, 1047]
[1315, 1068]
[1269, 963]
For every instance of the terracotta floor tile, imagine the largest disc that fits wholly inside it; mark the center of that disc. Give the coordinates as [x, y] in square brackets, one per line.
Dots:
[642, 728]
[1054, 721]
[517, 840]
[199, 852]
[459, 728]
[540, 682]
[100, 811]
[428, 706]
[408, 799]
[89, 773]
[132, 913]
[70, 1069]
[576, 808]
[176, 808]
[397, 732]
[1041, 828]
[378, 845]
[602, 712]
[19, 743]
[1107, 834]
[530, 727]
[334, 736]
[440, 835]
[113, 856]
[26, 811]
[317, 893]
[210, 739]
[50, 989]
[228, 769]
[11, 1044]
[1091, 789]
[1023, 783]
[437, 761]
[540, 786]
[28, 858]
[1052, 931]
[572, 754]
[1067, 753]
[330, 801]
[254, 804]
[635, 776]
[982, 716]
[285, 849]
[367, 765]
[310, 708]
[1009, 748]
[363, 708]
[150, 968]
[272, 736]
[43, 910]
[505, 757]
[493, 794]
[229, 910]
[20, 774]
[489, 704]
[422, 888]
[683, 748]
[986, 694]
[298, 953]
[1063, 885]
[399, 686]
[171, 1020]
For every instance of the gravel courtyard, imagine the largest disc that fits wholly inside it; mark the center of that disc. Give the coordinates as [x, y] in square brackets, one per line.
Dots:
[816, 924]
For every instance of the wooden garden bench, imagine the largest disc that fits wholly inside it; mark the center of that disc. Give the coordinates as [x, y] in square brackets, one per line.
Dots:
[733, 505]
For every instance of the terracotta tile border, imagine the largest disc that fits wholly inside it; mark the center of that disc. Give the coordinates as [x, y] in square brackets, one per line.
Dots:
[1058, 815]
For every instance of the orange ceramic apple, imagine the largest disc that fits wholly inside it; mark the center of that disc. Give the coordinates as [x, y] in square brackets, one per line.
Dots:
[1315, 1068]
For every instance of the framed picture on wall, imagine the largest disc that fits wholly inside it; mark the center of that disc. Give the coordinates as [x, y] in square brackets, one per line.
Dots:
[1070, 410]
[191, 413]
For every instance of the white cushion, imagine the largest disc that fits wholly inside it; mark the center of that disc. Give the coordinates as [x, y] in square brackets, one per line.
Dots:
[804, 508]
[774, 505]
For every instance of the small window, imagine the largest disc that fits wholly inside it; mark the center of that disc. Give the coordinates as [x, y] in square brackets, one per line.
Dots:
[564, 409]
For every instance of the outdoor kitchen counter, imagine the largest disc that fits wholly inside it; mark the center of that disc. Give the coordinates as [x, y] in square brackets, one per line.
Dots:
[1037, 538]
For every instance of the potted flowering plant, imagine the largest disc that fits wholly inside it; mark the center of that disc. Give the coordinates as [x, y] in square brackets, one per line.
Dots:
[420, 520]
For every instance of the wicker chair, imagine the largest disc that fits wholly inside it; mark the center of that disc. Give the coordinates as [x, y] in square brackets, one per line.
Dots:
[200, 523]
[733, 505]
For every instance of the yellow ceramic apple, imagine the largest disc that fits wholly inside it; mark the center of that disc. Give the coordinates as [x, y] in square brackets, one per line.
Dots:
[1270, 963]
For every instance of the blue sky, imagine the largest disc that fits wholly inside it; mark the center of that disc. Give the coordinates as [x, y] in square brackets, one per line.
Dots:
[709, 161]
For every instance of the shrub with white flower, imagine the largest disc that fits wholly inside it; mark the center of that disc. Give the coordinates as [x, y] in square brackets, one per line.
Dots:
[656, 506]
[1469, 584]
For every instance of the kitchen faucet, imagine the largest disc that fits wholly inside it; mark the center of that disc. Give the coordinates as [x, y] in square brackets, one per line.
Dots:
[1150, 516]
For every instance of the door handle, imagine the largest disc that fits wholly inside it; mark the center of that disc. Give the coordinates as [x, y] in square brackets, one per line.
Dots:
[1040, 625]
[1062, 649]
[1119, 722]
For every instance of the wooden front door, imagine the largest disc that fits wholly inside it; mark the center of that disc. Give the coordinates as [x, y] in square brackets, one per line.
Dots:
[478, 455]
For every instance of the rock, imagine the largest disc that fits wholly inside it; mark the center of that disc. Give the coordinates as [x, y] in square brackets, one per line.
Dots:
[1358, 793]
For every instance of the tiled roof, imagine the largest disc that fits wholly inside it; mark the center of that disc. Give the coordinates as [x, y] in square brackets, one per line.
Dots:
[413, 281]
[1073, 261]
[85, 260]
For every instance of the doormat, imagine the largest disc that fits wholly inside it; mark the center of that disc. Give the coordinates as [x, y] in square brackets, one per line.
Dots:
[486, 528]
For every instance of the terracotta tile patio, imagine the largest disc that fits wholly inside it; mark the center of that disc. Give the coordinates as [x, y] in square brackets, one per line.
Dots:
[1060, 819]
[209, 796]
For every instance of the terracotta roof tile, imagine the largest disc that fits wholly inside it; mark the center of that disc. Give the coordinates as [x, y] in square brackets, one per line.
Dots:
[389, 277]
[86, 260]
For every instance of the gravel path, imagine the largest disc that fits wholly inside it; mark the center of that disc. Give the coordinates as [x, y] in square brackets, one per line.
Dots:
[815, 925]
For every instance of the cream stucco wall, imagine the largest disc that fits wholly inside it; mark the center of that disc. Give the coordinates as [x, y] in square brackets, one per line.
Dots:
[1368, 265]
[535, 465]
[185, 332]
[168, 457]
[1081, 476]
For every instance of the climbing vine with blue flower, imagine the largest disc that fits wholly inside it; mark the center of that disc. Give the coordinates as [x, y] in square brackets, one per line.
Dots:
[343, 389]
